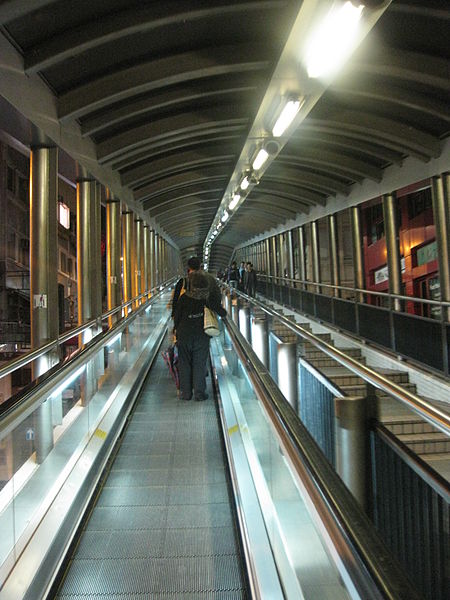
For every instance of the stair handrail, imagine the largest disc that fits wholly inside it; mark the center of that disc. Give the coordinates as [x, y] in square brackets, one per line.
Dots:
[427, 411]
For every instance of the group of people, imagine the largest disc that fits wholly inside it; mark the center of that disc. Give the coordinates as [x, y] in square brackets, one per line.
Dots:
[243, 278]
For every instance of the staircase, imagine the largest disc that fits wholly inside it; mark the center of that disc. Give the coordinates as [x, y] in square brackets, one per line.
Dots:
[417, 434]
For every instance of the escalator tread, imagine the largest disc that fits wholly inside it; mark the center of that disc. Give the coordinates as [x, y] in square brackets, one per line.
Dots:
[163, 525]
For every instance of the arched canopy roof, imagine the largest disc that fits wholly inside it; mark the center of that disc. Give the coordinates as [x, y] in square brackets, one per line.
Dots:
[167, 92]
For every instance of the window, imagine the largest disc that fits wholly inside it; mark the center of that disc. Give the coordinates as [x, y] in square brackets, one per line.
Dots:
[22, 189]
[63, 262]
[12, 245]
[11, 179]
[64, 215]
[419, 202]
[375, 223]
[70, 266]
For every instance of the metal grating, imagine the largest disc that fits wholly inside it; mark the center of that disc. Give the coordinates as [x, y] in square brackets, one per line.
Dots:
[162, 526]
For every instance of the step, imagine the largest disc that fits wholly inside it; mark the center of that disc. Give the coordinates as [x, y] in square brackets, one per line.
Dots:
[312, 351]
[426, 443]
[327, 361]
[401, 424]
[440, 462]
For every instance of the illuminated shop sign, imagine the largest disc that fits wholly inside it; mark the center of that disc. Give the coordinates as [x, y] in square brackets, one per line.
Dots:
[382, 274]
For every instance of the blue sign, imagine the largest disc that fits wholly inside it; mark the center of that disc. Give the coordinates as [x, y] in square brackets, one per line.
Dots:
[29, 434]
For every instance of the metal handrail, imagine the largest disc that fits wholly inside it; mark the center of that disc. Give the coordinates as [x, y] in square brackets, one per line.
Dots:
[358, 290]
[360, 549]
[21, 361]
[12, 415]
[427, 411]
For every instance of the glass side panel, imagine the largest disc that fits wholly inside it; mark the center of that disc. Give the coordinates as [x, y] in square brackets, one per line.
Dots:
[42, 449]
[294, 537]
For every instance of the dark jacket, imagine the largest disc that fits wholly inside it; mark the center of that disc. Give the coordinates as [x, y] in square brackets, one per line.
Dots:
[189, 315]
[233, 275]
[250, 283]
[214, 290]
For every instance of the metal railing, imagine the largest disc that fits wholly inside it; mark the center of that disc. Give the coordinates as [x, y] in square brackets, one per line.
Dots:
[385, 326]
[444, 306]
[53, 345]
[361, 552]
[14, 409]
[427, 411]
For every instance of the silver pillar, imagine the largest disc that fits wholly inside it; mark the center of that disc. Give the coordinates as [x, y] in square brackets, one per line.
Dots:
[113, 251]
[301, 255]
[392, 247]
[127, 232]
[86, 249]
[260, 337]
[440, 187]
[146, 259]
[290, 253]
[274, 262]
[43, 279]
[350, 445]
[244, 321]
[358, 256]
[139, 260]
[287, 371]
[97, 280]
[152, 259]
[235, 310]
[157, 258]
[334, 253]
[282, 254]
[315, 254]
[134, 262]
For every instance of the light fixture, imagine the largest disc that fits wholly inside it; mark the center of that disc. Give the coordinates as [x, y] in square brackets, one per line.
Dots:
[287, 115]
[234, 202]
[260, 159]
[333, 40]
[225, 216]
[245, 183]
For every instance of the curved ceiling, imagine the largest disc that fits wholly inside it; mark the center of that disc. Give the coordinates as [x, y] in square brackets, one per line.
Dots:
[168, 91]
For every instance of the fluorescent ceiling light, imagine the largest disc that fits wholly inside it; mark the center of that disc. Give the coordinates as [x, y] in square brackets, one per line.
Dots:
[333, 41]
[245, 183]
[260, 159]
[286, 117]
[225, 216]
[234, 202]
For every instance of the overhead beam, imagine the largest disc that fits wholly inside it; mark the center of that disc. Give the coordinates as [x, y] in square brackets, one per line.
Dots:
[160, 73]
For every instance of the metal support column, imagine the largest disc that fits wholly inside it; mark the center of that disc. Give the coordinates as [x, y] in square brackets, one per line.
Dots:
[113, 251]
[290, 253]
[301, 255]
[281, 242]
[351, 445]
[358, 256]
[127, 232]
[334, 253]
[43, 278]
[97, 280]
[315, 255]
[244, 321]
[260, 337]
[87, 211]
[146, 258]
[152, 259]
[440, 187]
[157, 260]
[392, 247]
[135, 261]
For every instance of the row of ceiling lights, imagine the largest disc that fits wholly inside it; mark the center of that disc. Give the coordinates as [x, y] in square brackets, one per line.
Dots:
[328, 49]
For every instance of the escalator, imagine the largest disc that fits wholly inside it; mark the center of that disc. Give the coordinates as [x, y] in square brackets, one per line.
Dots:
[161, 498]
[162, 524]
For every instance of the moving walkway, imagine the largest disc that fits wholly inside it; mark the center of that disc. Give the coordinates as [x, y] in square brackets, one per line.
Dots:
[143, 495]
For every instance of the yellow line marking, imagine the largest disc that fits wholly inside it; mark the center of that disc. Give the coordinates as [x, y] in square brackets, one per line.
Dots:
[233, 429]
[100, 433]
